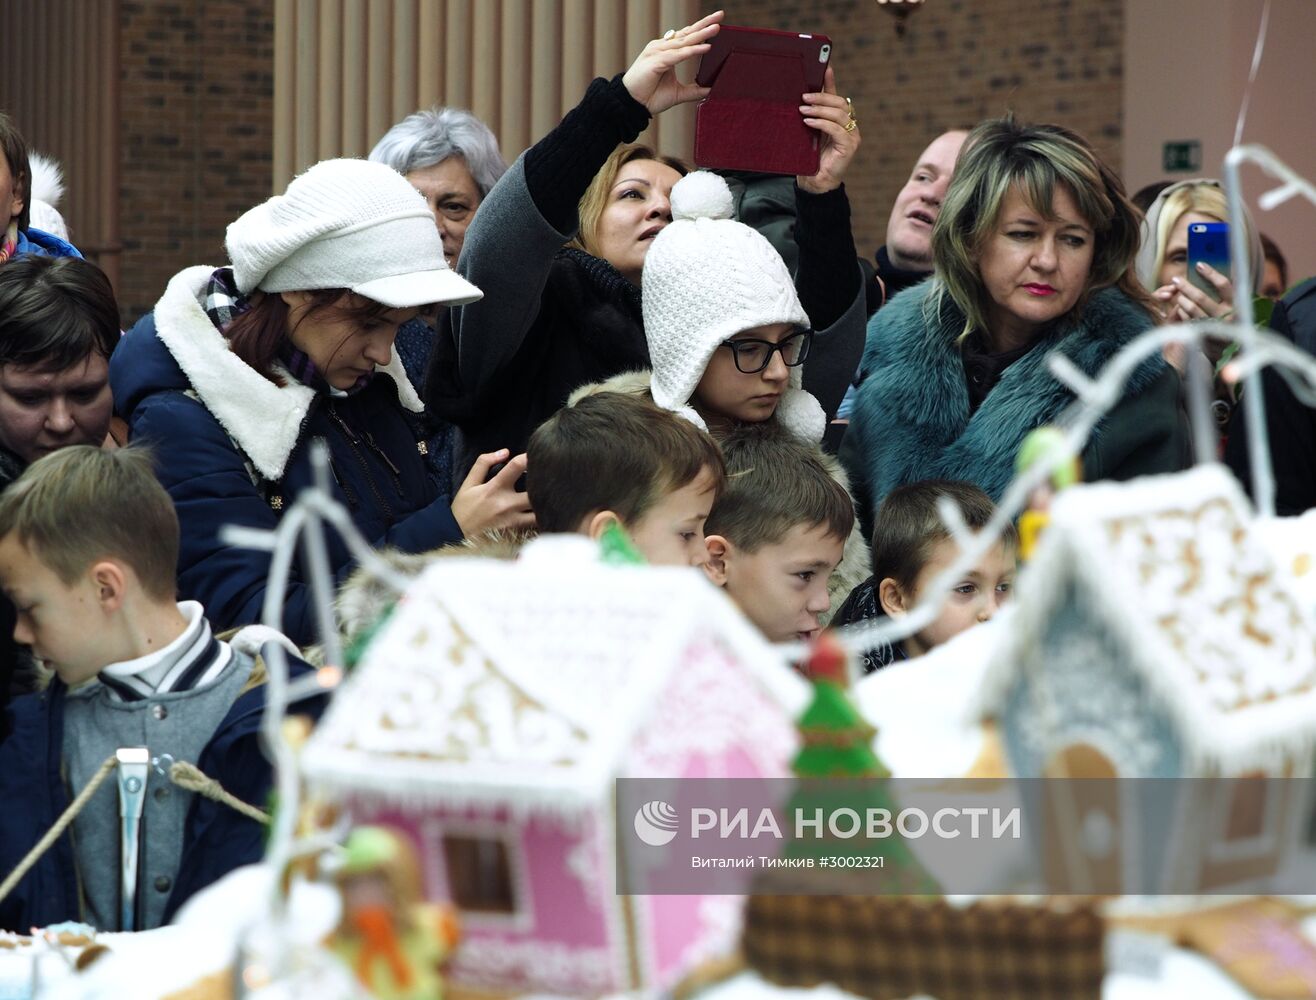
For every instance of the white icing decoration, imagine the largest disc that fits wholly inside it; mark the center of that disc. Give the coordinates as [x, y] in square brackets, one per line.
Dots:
[549, 966]
[1171, 568]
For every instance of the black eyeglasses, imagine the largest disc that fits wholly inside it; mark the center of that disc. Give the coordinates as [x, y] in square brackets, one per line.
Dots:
[752, 356]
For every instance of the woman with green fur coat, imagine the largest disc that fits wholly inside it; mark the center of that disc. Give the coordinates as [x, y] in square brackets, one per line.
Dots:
[1033, 251]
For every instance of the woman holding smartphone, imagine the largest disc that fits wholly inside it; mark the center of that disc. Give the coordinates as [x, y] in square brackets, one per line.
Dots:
[1163, 256]
[556, 317]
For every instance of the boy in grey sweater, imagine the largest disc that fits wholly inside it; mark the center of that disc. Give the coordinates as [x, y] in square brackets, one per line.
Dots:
[88, 547]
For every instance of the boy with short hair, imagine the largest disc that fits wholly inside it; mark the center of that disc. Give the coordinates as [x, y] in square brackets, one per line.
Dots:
[88, 549]
[618, 458]
[777, 532]
[911, 548]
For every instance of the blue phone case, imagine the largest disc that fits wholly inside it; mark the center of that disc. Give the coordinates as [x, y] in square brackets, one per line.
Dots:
[1208, 242]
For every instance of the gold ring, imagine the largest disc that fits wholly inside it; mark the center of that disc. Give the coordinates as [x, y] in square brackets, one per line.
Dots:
[851, 125]
[849, 107]
[669, 34]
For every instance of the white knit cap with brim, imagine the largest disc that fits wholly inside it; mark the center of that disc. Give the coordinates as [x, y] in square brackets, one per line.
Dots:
[707, 278]
[347, 224]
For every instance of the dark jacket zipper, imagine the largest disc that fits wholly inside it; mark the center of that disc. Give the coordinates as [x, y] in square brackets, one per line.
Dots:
[354, 440]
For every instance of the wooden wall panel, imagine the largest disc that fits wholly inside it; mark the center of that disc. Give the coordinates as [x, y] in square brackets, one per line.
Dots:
[347, 70]
[59, 81]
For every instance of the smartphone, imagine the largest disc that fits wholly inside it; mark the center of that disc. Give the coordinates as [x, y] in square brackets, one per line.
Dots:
[751, 118]
[1208, 242]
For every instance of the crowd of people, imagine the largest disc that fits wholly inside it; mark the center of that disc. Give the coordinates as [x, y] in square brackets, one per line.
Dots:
[590, 340]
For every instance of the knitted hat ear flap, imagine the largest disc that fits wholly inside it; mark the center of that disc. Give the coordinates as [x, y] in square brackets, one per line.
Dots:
[676, 372]
[689, 413]
[802, 415]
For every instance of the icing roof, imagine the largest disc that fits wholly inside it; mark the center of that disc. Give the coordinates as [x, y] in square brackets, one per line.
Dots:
[1292, 544]
[1176, 565]
[529, 680]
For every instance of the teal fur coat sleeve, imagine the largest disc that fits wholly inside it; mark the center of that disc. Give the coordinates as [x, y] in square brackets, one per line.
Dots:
[911, 417]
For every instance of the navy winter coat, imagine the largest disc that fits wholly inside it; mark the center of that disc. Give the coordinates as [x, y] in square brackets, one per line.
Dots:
[216, 839]
[233, 448]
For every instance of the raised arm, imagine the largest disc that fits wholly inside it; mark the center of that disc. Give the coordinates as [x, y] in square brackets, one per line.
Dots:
[828, 277]
[531, 211]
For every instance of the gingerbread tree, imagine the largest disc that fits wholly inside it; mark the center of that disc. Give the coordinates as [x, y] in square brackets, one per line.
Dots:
[838, 769]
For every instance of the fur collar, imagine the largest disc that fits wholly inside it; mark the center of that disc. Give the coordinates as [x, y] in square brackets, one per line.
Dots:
[627, 383]
[263, 419]
[912, 412]
[365, 599]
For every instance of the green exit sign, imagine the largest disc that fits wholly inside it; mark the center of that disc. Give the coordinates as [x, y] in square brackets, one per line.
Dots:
[1183, 155]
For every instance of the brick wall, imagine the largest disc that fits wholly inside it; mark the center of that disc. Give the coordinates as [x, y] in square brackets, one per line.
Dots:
[959, 61]
[196, 100]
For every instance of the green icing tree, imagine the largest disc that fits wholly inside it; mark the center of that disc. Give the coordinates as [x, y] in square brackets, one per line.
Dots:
[617, 549]
[839, 769]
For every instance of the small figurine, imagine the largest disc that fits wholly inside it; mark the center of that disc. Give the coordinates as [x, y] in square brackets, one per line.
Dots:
[1064, 473]
[393, 942]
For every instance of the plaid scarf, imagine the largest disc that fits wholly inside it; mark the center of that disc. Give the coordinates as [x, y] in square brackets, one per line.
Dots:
[223, 303]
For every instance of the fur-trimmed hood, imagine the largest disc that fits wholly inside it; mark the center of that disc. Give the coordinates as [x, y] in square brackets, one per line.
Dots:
[364, 598]
[911, 417]
[47, 189]
[187, 353]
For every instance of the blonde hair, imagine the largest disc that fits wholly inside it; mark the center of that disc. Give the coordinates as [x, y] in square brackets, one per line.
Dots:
[82, 504]
[1203, 198]
[595, 198]
[1001, 155]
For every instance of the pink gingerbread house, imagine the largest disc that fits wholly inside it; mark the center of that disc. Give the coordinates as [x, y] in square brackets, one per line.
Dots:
[490, 718]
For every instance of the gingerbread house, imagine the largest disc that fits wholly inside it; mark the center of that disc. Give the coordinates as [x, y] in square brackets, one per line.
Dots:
[490, 718]
[1156, 638]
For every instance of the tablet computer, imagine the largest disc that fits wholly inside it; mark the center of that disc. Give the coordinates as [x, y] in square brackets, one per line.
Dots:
[751, 118]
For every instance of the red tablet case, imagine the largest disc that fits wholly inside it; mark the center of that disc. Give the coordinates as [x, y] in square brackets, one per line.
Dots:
[751, 120]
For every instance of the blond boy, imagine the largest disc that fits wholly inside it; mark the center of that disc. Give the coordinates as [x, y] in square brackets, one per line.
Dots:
[88, 547]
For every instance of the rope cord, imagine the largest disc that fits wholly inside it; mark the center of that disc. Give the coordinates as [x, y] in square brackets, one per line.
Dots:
[61, 824]
[192, 778]
[184, 775]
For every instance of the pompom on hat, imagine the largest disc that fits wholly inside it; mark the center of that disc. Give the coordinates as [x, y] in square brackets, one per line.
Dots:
[707, 278]
[347, 224]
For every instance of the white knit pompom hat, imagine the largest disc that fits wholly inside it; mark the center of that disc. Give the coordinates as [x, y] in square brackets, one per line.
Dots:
[706, 278]
[347, 224]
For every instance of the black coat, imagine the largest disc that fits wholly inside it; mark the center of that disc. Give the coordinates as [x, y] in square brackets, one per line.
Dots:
[1290, 426]
[589, 327]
